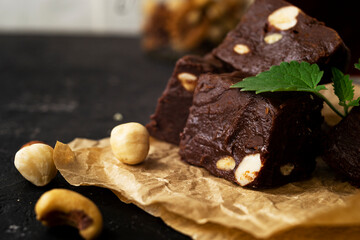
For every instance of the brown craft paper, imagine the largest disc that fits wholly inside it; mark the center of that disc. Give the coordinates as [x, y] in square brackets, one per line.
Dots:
[202, 206]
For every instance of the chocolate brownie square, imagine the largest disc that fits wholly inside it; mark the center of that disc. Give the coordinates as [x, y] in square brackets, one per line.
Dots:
[342, 147]
[254, 140]
[172, 108]
[273, 31]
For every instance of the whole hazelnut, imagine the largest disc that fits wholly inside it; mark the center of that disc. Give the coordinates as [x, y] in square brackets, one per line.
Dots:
[130, 142]
[35, 163]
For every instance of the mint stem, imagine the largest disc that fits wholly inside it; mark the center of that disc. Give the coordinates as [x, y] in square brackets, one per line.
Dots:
[346, 109]
[329, 104]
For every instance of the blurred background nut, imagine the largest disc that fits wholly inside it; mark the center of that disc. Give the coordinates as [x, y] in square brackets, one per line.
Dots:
[175, 27]
[130, 142]
[35, 163]
[65, 207]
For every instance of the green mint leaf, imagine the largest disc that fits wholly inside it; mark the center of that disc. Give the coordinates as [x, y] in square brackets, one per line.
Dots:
[354, 103]
[343, 86]
[302, 77]
[357, 65]
[344, 90]
[293, 76]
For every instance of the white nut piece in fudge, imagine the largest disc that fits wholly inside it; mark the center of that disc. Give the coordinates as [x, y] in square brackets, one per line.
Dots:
[130, 142]
[273, 38]
[226, 163]
[248, 169]
[65, 207]
[284, 18]
[287, 169]
[188, 81]
[35, 163]
[241, 49]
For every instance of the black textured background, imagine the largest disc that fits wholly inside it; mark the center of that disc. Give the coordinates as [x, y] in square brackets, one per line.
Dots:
[59, 88]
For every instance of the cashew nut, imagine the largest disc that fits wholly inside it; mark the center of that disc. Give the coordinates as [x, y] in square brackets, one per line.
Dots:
[65, 207]
[35, 163]
[130, 142]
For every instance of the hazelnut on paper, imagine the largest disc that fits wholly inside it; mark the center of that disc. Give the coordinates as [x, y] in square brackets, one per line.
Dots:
[35, 163]
[130, 142]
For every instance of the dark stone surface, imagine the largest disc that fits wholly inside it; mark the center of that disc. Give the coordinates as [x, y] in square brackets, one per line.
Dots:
[62, 87]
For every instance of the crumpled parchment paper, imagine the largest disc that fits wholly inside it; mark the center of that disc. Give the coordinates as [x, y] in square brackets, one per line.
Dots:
[202, 206]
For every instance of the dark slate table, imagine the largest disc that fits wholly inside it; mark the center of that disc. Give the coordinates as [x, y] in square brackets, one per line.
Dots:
[63, 87]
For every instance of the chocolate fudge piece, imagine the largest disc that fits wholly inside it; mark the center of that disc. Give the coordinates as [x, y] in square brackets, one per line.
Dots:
[273, 31]
[173, 106]
[325, 10]
[254, 140]
[342, 147]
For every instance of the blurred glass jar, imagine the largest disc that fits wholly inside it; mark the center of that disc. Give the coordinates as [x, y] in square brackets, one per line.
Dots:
[176, 27]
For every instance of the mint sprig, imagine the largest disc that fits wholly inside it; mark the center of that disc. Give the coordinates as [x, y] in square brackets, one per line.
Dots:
[357, 65]
[302, 77]
[344, 89]
[291, 76]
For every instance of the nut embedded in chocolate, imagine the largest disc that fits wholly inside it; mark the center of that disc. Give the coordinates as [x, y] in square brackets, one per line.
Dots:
[248, 169]
[241, 49]
[284, 18]
[226, 163]
[188, 80]
[273, 38]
